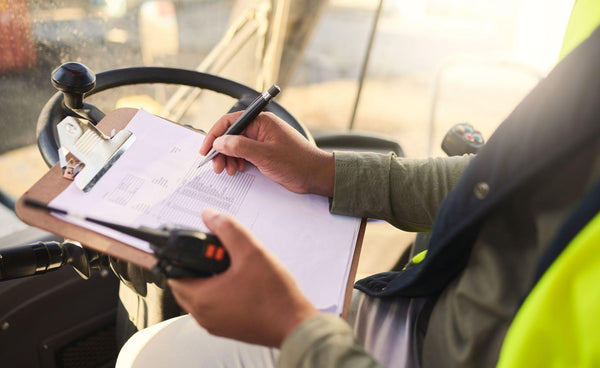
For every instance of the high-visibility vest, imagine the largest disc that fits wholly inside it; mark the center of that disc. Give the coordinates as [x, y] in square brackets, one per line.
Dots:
[585, 17]
[558, 324]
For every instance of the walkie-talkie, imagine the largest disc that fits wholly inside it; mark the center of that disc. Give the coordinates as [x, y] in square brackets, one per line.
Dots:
[181, 252]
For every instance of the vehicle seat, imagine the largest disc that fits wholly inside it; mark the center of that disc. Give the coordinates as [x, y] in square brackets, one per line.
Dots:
[357, 141]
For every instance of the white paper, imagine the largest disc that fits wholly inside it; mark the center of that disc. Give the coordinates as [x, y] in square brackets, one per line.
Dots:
[157, 182]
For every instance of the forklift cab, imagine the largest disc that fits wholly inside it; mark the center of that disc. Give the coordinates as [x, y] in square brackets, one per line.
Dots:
[371, 75]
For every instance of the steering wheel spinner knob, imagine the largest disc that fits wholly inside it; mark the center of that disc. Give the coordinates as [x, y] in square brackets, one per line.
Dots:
[73, 80]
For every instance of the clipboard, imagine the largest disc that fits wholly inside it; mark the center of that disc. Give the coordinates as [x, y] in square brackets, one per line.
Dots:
[53, 183]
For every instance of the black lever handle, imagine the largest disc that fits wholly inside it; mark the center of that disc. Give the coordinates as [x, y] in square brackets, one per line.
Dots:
[73, 80]
[32, 259]
[42, 257]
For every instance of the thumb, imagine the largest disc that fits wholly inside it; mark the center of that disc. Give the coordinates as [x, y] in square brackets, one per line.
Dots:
[230, 232]
[238, 146]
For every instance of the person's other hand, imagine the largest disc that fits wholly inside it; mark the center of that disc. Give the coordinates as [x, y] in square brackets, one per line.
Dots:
[276, 149]
[255, 300]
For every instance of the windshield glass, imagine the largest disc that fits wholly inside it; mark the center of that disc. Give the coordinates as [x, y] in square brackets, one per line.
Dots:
[407, 70]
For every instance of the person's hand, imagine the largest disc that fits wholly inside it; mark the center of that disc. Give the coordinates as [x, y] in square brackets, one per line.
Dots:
[255, 300]
[276, 149]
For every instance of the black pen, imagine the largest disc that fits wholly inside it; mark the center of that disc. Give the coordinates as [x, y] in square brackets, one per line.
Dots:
[246, 118]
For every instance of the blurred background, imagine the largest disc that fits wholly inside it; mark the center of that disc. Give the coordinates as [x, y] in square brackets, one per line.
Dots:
[405, 69]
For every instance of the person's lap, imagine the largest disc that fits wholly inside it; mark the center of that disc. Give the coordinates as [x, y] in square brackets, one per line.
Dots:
[385, 327]
[181, 342]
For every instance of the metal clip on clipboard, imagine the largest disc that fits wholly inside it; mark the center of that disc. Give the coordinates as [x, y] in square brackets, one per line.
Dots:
[94, 151]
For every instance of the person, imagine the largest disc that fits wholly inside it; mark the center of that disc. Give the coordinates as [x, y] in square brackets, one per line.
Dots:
[492, 217]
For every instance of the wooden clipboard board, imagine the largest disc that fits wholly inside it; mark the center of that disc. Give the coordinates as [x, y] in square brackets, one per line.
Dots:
[53, 183]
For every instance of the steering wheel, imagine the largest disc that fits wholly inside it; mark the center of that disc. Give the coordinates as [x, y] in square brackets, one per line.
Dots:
[74, 81]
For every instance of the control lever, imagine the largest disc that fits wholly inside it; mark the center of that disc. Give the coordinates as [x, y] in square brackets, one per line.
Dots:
[74, 80]
[462, 139]
[42, 257]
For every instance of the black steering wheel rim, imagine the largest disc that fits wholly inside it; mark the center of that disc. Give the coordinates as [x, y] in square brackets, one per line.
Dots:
[54, 111]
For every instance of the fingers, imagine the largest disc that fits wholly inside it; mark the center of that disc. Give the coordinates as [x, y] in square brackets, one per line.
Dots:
[231, 233]
[234, 151]
[236, 161]
[256, 300]
[238, 146]
[258, 144]
[241, 164]
[185, 291]
[217, 130]
[229, 164]
[234, 237]
[219, 163]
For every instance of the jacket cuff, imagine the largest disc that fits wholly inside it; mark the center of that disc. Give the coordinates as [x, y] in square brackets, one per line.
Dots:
[308, 338]
[352, 171]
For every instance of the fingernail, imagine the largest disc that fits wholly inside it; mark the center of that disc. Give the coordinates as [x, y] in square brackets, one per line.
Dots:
[210, 214]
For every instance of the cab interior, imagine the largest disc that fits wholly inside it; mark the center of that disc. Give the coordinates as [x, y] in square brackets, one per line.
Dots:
[395, 74]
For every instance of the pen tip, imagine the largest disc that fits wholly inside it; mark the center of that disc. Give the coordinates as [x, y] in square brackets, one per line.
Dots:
[204, 161]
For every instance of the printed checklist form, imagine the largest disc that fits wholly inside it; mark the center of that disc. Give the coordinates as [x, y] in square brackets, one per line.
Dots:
[157, 182]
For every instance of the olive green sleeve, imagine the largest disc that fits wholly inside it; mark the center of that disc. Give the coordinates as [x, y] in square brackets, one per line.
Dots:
[405, 192]
[324, 341]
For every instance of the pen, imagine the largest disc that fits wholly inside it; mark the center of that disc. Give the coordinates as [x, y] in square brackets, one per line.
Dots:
[246, 118]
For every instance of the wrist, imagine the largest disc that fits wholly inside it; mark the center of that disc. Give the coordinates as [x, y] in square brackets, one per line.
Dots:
[323, 175]
[295, 320]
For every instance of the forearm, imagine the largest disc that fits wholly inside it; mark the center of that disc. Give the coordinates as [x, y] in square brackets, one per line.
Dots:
[404, 192]
[323, 341]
